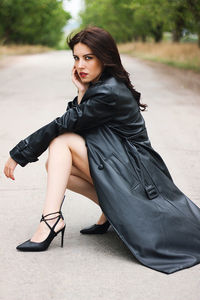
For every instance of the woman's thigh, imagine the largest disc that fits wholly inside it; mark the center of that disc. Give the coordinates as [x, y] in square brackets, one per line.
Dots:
[78, 173]
[76, 144]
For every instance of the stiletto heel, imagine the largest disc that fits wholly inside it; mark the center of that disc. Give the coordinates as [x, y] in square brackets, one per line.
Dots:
[62, 237]
[42, 246]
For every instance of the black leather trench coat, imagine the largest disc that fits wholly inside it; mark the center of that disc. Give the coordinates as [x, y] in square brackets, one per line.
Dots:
[156, 221]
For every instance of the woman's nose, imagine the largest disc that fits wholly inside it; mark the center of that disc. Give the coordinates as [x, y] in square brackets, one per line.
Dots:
[80, 63]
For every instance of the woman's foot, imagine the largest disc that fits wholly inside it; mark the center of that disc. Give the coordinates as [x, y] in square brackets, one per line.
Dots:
[43, 230]
[99, 228]
[102, 219]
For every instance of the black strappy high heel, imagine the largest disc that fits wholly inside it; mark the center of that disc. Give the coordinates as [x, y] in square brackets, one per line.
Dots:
[42, 246]
[96, 228]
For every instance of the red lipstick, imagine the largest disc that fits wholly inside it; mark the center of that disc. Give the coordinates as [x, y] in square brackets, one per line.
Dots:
[82, 74]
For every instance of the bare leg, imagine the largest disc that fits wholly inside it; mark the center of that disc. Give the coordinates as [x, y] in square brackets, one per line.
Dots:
[83, 187]
[79, 183]
[63, 150]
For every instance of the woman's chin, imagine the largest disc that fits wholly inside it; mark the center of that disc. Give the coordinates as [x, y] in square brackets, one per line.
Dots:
[84, 80]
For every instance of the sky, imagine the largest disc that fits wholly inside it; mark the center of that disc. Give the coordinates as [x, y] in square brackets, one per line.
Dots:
[74, 7]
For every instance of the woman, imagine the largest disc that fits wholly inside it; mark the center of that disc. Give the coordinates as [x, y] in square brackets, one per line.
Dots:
[100, 148]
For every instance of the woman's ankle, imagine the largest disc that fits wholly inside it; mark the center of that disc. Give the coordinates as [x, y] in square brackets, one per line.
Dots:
[102, 219]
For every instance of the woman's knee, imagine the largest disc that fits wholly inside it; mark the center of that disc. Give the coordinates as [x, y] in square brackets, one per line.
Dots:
[69, 139]
[58, 140]
[74, 171]
[77, 146]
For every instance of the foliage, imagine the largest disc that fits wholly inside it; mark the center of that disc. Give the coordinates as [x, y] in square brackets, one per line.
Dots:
[194, 8]
[111, 15]
[142, 19]
[32, 21]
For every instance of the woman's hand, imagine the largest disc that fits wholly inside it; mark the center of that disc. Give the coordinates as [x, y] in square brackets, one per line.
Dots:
[82, 87]
[9, 168]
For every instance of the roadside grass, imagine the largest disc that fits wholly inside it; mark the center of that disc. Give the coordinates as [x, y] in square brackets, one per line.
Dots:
[14, 49]
[22, 49]
[181, 55]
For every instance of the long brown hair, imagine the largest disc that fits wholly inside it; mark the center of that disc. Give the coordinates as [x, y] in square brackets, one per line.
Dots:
[104, 47]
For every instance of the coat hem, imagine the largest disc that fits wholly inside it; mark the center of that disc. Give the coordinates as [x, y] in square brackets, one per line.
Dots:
[165, 272]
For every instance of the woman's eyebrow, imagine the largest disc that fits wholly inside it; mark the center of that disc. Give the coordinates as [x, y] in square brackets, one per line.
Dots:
[84, 54]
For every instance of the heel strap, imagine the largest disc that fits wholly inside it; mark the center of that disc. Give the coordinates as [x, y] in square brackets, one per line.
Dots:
[43, 218]
[57, 212]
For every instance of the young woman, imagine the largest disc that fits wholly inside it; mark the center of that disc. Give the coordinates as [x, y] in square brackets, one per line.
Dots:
[100, 148]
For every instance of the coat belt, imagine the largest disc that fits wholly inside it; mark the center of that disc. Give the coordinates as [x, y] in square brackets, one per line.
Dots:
[144, 177]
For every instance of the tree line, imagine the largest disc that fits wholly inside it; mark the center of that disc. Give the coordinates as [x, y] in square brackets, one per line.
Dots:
[32, 21]
[129, 20]
[41, 21]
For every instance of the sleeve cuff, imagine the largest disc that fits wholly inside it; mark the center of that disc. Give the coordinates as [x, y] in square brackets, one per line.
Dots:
[18, 153]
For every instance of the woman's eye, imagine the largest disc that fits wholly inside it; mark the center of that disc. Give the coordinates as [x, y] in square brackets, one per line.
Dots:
[86, 57]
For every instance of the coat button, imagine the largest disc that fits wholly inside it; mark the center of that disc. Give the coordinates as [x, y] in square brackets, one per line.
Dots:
[100, 167]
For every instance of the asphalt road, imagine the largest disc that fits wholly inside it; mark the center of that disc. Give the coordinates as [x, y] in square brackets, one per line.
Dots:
[34, 90]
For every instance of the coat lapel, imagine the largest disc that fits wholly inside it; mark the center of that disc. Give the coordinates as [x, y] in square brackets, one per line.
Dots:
[92, 89]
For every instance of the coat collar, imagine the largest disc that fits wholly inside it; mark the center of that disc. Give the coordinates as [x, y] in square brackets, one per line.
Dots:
[103, 77]
[91, 89]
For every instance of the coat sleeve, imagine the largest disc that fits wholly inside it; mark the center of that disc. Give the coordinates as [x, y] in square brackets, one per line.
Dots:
[91, 113]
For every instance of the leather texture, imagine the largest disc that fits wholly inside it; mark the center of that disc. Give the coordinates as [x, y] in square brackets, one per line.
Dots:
[157, 222]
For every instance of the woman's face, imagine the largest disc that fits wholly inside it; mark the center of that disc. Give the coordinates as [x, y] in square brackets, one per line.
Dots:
[88, 66]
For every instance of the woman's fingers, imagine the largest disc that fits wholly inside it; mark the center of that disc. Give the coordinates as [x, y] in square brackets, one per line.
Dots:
[75, 77]
[11, 174]
[9, 168]
[6, 171]
[77, 80]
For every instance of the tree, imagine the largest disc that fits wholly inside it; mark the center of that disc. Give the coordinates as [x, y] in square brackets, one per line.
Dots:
[148, 18]
[140, 19]
[194, 7]
[112, 15]
[32, 21]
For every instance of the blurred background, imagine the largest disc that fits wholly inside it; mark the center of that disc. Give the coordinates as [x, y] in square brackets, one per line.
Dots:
[167, 31]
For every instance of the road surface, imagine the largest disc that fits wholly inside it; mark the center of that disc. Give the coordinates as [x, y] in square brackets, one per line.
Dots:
[34, 90]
